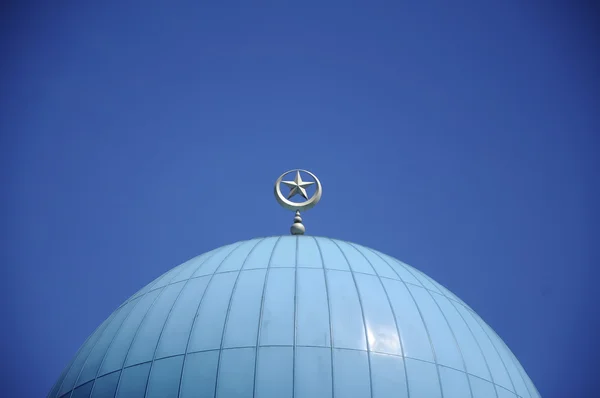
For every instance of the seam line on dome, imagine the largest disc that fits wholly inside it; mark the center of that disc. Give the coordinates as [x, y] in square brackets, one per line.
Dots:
[340, 270]
[168, 317]
[522, 372]
[109, 344]
[452, 302]
[295, 317]
[393, 315]
[441, 289]
[140, 326]
[328, 316]
[422, 320]
[479, 320]
[510, 392]
[133, 340]
[319, 347]
[227, 314]
[59, 383]
[152, 284]
[380, 255]
[233, 247]
[444, 291]
[203, 259]
[362, 312]
[513, 360]
[260, 316]
[55, 389]
[332, 269]
[400, 264]
[239, 244]
[259, 241]
[99, 332]
[187, 344]
[139, 298]
[474, 317]
[462, 357]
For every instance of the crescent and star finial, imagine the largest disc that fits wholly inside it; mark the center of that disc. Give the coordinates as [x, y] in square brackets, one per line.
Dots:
[298, 187]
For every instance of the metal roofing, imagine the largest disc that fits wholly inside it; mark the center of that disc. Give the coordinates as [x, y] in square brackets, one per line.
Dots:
[329, 318]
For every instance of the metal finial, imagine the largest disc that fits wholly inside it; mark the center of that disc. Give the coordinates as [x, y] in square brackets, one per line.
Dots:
[298, 187]
[297, 228]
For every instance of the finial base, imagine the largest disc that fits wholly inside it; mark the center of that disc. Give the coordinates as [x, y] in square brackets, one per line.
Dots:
[297, 228]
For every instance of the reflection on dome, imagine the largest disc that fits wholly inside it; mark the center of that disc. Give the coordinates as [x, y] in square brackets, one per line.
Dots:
[294, 316]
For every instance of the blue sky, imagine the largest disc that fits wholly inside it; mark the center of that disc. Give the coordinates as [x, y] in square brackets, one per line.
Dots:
[462, 139]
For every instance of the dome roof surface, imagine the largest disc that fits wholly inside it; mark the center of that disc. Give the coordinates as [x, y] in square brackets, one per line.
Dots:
[329, 318]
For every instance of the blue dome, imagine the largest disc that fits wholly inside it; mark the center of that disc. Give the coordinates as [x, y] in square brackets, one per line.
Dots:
[294, 316]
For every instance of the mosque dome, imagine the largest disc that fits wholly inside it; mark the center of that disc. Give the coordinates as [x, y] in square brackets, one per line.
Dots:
[294, 316]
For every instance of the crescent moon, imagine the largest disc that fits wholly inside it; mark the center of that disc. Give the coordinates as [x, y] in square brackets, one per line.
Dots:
[288, 204]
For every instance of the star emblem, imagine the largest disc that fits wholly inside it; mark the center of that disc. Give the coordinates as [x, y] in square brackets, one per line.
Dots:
[297, 187]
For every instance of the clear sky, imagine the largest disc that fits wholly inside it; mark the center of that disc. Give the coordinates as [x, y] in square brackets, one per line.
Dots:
[460, 138]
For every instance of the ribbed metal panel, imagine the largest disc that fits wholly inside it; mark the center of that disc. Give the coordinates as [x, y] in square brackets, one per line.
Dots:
[294, 316]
